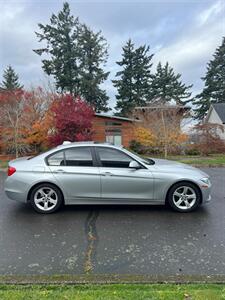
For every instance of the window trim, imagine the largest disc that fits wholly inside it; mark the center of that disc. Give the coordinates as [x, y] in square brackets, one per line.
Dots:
[100, 163]
[94, 159]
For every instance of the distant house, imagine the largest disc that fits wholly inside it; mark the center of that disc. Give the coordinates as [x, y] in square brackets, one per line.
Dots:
[216, 115]
[113, 129]
[120, 130]
[152, 114]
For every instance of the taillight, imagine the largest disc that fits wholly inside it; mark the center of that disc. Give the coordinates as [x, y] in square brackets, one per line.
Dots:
[11, 170]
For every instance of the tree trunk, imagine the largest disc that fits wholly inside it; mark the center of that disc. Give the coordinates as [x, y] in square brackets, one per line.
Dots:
[165, 135]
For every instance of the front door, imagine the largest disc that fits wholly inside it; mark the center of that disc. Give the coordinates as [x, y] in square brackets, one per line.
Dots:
[75, 171]
[120, 182]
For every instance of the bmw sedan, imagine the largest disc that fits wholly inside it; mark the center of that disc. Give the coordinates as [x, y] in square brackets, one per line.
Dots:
[90, 173]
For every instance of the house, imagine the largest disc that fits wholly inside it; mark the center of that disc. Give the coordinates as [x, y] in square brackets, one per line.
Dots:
[216, 115]
[156, 114]
[113, 129]
[120, 130]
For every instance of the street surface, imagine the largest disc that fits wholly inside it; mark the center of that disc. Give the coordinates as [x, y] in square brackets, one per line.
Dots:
[114, 239]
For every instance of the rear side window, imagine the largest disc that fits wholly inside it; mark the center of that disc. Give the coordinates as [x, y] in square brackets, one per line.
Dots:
[79, 157]
[113, 158]
[56, 159]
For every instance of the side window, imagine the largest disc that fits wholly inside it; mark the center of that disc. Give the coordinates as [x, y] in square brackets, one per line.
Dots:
[79, 157]
[112, 158]
[56, 159]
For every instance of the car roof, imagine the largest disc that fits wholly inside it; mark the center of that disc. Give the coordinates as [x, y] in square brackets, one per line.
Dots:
[66, 145]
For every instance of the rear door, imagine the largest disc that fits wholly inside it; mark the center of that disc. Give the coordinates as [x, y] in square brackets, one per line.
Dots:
[119, 182]
[76, 171]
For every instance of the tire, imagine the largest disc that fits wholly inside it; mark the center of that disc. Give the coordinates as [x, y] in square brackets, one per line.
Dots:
[46, 198]
[184, 197]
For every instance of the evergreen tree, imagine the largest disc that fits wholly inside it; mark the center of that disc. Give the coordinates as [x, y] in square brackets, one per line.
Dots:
[133, 84]
[167, 86]
[76, 55]
[93, 54]
[61, 38]
[11, 80]
[214, 83]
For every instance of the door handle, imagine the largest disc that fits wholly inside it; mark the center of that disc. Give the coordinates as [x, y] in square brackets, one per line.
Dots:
[60, 171]
[107, 174]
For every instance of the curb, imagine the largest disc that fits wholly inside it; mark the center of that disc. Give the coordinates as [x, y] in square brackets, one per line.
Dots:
[208, 166]
[111, 279]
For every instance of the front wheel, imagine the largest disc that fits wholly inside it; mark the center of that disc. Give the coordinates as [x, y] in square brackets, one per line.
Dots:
[184, 197]
[46, 198]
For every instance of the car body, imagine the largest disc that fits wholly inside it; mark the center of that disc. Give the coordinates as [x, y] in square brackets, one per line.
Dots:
[91, 173]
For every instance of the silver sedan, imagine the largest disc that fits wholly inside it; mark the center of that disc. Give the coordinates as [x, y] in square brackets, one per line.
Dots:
[90, 173]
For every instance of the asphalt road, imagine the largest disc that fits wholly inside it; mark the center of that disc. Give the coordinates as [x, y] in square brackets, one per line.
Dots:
[114, 239]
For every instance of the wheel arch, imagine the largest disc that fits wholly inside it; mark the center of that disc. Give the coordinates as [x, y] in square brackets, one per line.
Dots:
[44, 182]
[183, 181]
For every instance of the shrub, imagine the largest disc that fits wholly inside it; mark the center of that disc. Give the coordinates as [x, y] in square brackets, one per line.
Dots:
[136, 146]
[192, 150]
[209, 139]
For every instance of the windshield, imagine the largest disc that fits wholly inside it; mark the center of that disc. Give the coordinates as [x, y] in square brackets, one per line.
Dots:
[145, 160]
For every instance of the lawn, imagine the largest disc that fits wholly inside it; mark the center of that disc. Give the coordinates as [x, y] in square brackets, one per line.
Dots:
[3, 164]
[114, 292]
[212, 160]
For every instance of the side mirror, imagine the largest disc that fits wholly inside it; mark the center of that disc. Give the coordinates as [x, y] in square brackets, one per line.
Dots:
[134, 165]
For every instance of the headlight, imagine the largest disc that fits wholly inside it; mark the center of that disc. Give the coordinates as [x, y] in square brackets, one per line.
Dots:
[206, 180]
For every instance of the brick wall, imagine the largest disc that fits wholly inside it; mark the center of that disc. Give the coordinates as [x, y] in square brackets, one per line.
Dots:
[100, 126]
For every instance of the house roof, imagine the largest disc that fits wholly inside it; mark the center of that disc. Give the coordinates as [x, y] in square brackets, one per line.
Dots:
[220, 110]
[163, 107]
[114, 117]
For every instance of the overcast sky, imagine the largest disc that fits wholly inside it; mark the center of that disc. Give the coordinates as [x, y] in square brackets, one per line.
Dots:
[183, 32]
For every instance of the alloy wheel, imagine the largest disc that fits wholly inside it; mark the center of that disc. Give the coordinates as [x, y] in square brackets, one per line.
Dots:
[45, 198]
[184, 197]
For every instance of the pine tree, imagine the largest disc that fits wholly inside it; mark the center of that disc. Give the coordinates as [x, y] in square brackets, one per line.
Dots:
[214, 83]
[11, 80]
[93, 54]
[76, 55]
[133, 84]
[61, 38]
[167, 86]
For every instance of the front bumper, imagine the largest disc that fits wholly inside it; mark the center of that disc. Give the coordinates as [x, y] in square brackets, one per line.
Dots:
[206, 193]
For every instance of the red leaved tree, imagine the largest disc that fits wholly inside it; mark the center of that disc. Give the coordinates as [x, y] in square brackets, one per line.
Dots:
[209, 140]
[72, 120]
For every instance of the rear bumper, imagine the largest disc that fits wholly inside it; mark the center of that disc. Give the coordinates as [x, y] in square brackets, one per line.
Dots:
[16, 190]
[21, 197]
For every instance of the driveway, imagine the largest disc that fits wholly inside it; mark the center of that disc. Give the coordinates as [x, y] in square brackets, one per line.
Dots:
[113, 239]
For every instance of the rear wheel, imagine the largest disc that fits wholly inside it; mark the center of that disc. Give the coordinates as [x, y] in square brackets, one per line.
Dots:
[46, 198]
[184, 197]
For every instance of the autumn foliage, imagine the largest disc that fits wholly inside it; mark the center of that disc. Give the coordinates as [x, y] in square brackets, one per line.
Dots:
[11, 112]
[209, 141]
[72, 120]
[31, 121]
[160, 130]
[145, 136]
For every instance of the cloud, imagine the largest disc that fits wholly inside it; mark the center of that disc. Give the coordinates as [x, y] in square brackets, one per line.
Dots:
[190, 53]
[185, 33]
[211, 13]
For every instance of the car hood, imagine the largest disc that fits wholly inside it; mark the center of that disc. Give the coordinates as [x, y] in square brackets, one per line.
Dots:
[172, 166]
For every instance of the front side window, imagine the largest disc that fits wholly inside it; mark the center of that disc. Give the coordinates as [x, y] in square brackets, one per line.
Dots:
[79, 157]
[113, 158]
